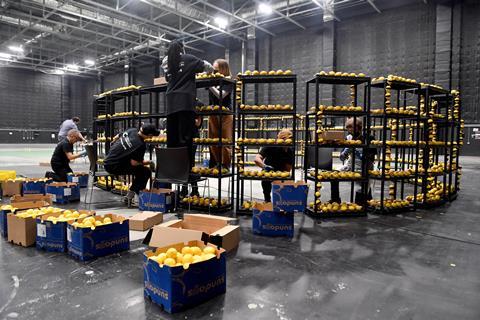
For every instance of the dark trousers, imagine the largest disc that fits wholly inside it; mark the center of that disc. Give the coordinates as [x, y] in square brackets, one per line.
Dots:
[141, 174]
[267, 190]
[60, 173]
[180, 131]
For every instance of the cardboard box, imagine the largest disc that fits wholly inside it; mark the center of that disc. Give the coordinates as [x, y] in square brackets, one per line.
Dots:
[332, 135]
[267, 222]
[12, 187]
[52, 236]
[159, 81]
[21, 203]
[78, 177]
[63, 192]
[176, 288]
[86, 244]
[289, 196]
[161, 200]
[213, 229]
[21, 231]
[145, 220]
[35, 186]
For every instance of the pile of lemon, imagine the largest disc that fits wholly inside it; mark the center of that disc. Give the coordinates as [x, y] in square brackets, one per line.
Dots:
[203, 202]
[127, 113]
[209, 171]
[211, 140]
[92, 222]
[104, 116]
[8, 207]
[390, 203]
[157, 139]
[265, 174]
[248, 205]
[187, 255]
[392, 173]
[211, 108]
[337, 175]
[16, 180]
[334, 207]
[323, 108]
[67, 215]
[394, 78]
[34, 213]
[343, 142]
[204, 75]
[36, 180]
[287, 141]
[340, 74]
[393, 143]
[130, 87]
[266, 73]
[269, 107]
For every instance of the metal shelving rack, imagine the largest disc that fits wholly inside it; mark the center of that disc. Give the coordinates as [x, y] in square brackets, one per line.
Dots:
[394, 121]
[221, 83]
[312, 135]
[283, 116]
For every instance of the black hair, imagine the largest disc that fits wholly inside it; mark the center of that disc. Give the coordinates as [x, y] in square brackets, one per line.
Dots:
[76, 119]
[174, 51]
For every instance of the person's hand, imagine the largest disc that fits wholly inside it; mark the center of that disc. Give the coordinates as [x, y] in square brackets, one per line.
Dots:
[343, 156]
[83, 154]
[152, 166]
[267, 168]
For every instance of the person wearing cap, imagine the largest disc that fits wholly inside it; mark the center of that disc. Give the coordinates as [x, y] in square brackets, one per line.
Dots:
[125, 157]
[275, 158]
[62, 156]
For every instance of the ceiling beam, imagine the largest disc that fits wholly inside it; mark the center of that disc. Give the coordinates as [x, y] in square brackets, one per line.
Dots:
[374, 6]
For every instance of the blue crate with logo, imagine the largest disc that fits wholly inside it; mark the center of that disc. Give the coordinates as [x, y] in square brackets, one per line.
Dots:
[52, 234]
[89, 243]
[176, 288]
[267, 222]
[35, 186]
[63, 192]
[158, 200]
[78, 177]
[289, 196]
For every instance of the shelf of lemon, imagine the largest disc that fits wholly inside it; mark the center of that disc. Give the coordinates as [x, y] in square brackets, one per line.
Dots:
[187, 256]
[266, 73]
[203, 202]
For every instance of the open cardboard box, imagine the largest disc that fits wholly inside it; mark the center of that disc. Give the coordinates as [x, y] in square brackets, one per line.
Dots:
[145, 220]
[176, 288]
[63, 192]
[30, 201]
[213, 229]
[21, 231]
[12, 187]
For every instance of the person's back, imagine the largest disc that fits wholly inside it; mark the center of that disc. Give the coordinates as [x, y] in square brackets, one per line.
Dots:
[128, 146]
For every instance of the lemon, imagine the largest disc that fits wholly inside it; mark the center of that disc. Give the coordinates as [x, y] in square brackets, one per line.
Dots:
[196, 251]
[197, 258]
[187, 258]
[209, 249]
[170, 261]
[98, 223]
[107, 220]
[208, 256]
[172, 253]
[179, 257]
[186, 250]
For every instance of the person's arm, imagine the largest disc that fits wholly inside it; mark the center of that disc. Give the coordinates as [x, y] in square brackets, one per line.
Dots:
[216, 92]
[165, 64]
[72, 156]
[135, 163]
[259, 161]
[116, 138]
[202, 66]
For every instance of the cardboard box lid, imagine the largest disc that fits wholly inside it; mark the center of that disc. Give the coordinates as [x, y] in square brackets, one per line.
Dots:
[144, 215]
[30, 201]
[158, 190]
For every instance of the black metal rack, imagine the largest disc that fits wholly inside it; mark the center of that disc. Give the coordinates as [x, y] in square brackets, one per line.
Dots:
[396, 121]
[282, 119]
[132, 103]
[314, 139]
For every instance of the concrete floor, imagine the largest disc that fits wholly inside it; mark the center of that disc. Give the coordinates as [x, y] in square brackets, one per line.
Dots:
[420, 265]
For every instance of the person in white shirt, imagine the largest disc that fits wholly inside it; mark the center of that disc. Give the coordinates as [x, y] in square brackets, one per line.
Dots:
[67, 125]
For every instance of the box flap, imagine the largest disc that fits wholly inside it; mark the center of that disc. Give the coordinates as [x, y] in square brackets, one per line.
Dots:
[207, 216]
[176, 223]
[141, 216]
[289, 183]
[160, 236]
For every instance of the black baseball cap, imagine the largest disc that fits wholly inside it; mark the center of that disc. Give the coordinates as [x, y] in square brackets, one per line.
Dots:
[150, 130]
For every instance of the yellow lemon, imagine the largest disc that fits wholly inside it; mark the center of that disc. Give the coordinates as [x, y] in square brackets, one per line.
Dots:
[172, 253]
[107, 220]
[196, 251]
[209, 249]
[197, 259]
[187, 258]
[179, 257]
[186, 250]
[170, 262]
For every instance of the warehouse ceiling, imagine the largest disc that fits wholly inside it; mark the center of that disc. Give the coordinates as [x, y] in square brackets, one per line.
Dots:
[85, 37]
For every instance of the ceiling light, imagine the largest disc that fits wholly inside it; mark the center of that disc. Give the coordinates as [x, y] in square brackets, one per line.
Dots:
[222, 23]
[4, 55]
[89, 62]
[265, 8]
[72, 67]
[58, 71]
[18, 49]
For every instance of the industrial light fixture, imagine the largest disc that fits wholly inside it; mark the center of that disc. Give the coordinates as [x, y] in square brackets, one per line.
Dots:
[4, 55]
[222, 23]
[265, 8]
[59, 71]
[89, 62]
[18, 49]
[72, 67]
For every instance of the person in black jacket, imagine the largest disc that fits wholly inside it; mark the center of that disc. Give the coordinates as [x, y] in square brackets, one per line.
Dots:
[180, 69]
[125, 157]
